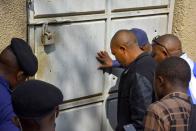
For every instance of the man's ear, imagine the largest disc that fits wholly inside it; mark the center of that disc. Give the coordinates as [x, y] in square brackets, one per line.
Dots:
[16, 121]
[161, 80]
[165, 53]
[21, 76]
[123, 48]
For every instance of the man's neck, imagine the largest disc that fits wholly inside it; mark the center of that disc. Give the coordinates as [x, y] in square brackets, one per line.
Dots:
[136, 54]
[177, 89]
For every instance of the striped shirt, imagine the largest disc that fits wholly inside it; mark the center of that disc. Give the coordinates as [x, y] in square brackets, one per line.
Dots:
[171, 113]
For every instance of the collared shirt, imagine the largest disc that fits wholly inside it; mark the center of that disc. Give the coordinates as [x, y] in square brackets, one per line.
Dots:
[192, 83]
[6, 109]
[171, 113]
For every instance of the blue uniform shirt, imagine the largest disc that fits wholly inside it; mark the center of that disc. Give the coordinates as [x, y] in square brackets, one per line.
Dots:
[6, 109]
[115, 63]
[194, 69]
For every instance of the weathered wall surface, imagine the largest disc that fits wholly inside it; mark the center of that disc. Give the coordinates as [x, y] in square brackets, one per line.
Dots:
[12, 20]
[184, 25]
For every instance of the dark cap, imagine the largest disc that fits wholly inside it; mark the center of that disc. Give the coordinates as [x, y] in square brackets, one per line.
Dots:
[24, 55]
[141, 36]
[35, 99]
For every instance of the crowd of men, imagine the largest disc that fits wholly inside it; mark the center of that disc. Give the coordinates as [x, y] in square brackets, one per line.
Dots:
[157, 89]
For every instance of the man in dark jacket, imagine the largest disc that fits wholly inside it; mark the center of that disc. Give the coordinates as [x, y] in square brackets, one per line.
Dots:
[135, 92]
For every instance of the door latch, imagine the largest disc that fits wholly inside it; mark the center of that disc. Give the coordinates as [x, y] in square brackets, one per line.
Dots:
[47, 36]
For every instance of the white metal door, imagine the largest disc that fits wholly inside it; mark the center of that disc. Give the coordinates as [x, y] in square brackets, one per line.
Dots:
[79, 29]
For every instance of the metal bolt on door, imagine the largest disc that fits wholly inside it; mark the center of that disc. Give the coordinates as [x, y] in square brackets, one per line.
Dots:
[66, 50]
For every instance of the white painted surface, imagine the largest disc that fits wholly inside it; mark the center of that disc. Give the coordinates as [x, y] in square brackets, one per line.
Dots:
[88, 118]
[153, 25]
[128, 4]
[70, 64]
[54, 7]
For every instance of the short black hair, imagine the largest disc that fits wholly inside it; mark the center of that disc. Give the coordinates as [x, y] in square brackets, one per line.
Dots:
[176, 70]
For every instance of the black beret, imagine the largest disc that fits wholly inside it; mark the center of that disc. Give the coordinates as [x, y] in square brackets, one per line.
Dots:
[24, 55]
[35, 99]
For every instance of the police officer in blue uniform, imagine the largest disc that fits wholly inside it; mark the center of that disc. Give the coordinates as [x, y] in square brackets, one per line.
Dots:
[17, 63]
[36, 104]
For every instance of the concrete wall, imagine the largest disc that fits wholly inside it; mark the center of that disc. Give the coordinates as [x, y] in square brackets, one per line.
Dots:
[184, 25]
[13, 22]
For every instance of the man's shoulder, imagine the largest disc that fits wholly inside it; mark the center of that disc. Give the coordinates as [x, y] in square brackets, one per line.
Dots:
[155, 107]
[159, 107]
[166, 106]
[146, 66]
[8, 126]
[4, 90]
[4, 95]
[145, 60]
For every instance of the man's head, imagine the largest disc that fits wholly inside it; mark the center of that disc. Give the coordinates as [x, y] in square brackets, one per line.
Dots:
[172, 75]
[166, 46]
[124, 47]
[36, 105]
[142, 39]
[17, 62]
